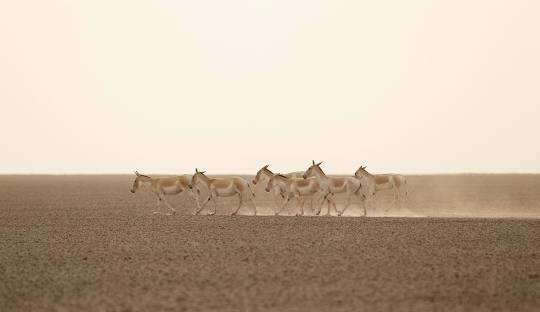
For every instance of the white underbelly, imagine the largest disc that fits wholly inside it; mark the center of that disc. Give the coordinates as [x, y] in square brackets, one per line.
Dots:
[226, 192]
[341, 189]
[384, 186]
[306, 190]
[171, 190]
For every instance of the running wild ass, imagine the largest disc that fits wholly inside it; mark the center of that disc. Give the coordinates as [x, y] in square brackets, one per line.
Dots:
[293, 188]
[223, 187]
[333, 185]
[164, 186]
[395, 182]
[266, 174]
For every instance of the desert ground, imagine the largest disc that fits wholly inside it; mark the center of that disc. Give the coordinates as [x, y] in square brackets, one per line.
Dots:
[85, 243]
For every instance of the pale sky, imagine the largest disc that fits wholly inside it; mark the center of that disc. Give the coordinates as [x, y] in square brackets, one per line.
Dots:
[228, 86]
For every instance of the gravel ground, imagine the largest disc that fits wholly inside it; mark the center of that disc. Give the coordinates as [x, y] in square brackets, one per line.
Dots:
[84, 243]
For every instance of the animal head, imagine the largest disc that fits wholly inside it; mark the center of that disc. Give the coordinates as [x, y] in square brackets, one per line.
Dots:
[195, 178]
[139, 178]
[259, 174]
[361, 171]
[270, 184]
[311, 170]
[274, 180]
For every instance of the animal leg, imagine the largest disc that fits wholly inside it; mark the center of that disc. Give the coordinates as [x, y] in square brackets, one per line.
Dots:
[302, 201]
[364, 203]
[288, 203]
[195, 197]
[347, 204]
[323, 200]
[328, 204]
[158, 205]
[396, 193]
[239, 205]
[331, 200]
[254, 206]
[404, 192]
[173, 211]
[214, 200]
[283, 204]
[204, 204]
[275, 195]
[159, 201]
[328, 207]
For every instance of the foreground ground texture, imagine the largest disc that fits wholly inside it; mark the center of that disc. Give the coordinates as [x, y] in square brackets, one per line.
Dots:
[83, 243]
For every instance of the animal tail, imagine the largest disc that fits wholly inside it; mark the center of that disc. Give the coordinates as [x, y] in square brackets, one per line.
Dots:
[250, 189]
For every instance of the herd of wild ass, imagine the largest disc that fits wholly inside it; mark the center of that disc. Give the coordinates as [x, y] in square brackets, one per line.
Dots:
[312, 183]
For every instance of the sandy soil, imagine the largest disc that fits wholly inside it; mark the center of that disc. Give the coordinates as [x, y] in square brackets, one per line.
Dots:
[85, 243]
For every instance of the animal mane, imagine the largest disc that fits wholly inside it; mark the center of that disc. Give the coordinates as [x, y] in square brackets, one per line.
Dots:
[364, 169]
[282, 176]
[320, 169]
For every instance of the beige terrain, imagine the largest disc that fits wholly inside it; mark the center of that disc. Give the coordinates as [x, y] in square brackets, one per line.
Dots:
[71, 243]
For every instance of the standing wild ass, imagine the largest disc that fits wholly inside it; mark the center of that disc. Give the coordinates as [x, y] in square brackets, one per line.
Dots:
[293, 188]
[395, 182]
[223, 187]
[164, 186]
[332, 185]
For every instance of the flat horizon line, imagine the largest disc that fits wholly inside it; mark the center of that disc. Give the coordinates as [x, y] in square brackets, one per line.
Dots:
[244, 174]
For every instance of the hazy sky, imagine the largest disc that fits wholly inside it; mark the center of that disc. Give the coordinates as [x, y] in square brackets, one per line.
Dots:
[228, 86]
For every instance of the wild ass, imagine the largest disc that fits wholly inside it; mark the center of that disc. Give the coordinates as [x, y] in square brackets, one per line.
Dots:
[223, 187]
[395, 182]
[164, 186]
[293, 188]
[332, 185]
[266, 174]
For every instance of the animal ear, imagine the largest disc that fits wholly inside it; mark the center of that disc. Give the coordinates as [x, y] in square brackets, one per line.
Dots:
[313, 162]
[137, 173]
[266, 166]
[319, 164]
[196, 170]
[203, 172]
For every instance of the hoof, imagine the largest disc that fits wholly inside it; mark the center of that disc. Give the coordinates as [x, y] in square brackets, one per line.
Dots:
[211, 213]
